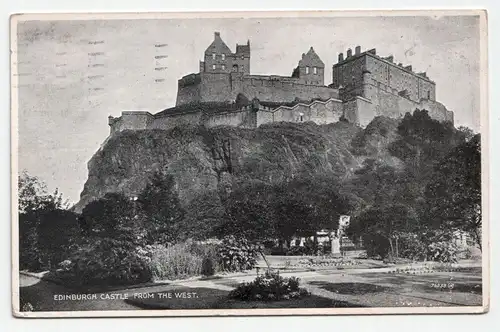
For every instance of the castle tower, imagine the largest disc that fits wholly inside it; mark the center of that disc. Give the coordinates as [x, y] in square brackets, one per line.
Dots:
[220, 59]
[311, 69]
[241, 59]
[216, 56]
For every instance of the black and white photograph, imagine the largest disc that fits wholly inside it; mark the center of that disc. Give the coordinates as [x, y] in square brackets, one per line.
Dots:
[249, 163]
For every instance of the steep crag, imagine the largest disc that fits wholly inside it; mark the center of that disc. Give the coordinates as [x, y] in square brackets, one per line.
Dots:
[208, 161]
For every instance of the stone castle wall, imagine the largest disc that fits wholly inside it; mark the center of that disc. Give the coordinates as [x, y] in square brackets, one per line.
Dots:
[177, 120]
[221, 87]
[320, 112]
[359, 110]
[385, 101]
[131, 120]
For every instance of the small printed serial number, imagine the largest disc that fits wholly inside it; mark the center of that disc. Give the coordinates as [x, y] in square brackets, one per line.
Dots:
[442, 286]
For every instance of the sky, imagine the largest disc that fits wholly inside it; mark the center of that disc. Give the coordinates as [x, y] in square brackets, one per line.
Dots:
[73, 74]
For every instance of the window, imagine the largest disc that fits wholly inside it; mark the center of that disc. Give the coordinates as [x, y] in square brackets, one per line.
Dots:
[242, 57]
[242, 68]
[301, 117]
[213, 67]
[213, 56]
[235, 67]
[223, 56]
[315, 70]
[307, 70]
[428, 95]
[223, 67]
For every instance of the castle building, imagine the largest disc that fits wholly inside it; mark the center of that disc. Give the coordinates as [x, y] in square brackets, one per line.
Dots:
[382, 87]
[220, 59]
[224, 74]
[224, 92]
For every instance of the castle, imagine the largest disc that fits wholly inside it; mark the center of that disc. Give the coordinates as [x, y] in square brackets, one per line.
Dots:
[224, 92]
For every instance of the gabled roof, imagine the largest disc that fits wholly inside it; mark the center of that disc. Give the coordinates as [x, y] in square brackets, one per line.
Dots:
[218, 46]
[311, 58]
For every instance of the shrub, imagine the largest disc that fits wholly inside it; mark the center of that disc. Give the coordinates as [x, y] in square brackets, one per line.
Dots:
[207, 267]
[209, 254]
[376, 245]
[237, 254]
[298, 251]
[443, 251]
[269, 287]
[412, 247]
[105, 261]
[465, 253]
[418, 249]
[175, 262]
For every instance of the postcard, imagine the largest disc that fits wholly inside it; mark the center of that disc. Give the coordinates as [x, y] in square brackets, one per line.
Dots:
[249, 163]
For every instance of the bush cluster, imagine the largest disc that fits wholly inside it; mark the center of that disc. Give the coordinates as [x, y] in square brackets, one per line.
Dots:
[269, 287]
[237, 254]
[106, 261]
[416, 249]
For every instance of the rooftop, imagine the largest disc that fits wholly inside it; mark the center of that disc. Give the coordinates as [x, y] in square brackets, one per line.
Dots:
[206, 107]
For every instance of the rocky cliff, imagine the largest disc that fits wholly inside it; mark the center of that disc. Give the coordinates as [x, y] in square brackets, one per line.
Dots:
[208, 161]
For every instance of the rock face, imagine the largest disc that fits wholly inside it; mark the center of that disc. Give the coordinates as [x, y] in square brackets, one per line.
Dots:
[208, 161]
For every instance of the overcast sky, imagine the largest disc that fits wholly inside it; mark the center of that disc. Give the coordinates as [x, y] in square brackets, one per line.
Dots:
[74, 74]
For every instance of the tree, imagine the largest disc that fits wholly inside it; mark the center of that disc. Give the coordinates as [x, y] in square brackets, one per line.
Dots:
[113, 216]
[385, 223]
[160, 204]
[249, 212]
[46, 228]
[57, 231]
[423, 140]
[466, 133]
[294, 207]
[204, 215]
[379, 184]
[453, 195]
[33, 195]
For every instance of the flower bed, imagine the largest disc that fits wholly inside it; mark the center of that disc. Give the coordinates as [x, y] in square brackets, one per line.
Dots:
[326, 261]
[269, 287]
[430, 268]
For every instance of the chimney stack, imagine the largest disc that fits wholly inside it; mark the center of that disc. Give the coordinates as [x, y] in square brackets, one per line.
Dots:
[409, 68]
[390, 58]
[357, 50]
[341, 57]
[216, 34]
[349, 53]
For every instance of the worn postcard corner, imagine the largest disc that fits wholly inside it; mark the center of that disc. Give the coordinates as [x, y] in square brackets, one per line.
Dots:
[250, 163]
